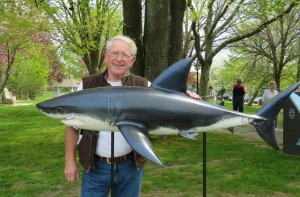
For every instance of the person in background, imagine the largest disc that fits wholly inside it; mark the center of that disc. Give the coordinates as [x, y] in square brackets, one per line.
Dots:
[94, 147]
[269, 94]
[238, 95]
[192, 89]
[212, 95]
[222, 103]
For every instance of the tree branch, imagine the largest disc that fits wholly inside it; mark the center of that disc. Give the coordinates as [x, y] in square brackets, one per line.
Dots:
[255, 31]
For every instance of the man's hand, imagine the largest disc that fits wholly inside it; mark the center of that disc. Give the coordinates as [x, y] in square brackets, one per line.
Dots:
[193, 95]
[71, 171]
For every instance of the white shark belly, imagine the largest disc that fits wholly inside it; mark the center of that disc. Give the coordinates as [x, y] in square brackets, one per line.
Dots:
[164, 131]
[223, 124]
[89, 123]
[83, 122]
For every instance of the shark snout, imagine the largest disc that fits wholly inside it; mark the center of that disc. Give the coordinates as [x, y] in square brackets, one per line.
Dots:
[51, 110]
[44, 105]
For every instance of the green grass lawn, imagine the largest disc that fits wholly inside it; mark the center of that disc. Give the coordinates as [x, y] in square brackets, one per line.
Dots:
[32, 161]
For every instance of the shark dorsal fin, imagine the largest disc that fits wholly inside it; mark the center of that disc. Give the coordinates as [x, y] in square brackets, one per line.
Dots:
[175, 77]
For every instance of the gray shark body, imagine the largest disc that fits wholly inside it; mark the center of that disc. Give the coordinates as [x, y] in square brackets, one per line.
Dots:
[163, 108]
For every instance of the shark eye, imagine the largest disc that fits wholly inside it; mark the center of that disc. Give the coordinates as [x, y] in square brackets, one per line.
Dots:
[59, 109]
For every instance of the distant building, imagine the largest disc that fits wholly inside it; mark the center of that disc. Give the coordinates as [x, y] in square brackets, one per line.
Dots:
[66, 86]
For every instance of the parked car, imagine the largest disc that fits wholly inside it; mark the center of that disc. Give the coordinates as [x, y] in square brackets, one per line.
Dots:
[258, 101]
[246, 98]
[226, 95]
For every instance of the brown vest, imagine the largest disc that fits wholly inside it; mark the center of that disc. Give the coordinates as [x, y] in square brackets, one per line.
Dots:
[99, 80]
[89, 139]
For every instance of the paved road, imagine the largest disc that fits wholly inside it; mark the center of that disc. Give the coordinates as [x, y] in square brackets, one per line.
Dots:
[250, 132]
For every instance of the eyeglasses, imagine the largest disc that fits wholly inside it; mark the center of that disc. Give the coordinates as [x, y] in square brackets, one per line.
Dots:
[115, 54]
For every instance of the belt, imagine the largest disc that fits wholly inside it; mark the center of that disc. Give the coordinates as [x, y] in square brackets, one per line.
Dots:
[116, 160]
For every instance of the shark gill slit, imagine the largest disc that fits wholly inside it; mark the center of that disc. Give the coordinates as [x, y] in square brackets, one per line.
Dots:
[113, 108]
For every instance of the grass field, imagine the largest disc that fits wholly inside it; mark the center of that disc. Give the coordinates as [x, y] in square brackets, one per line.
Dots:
[32, 161]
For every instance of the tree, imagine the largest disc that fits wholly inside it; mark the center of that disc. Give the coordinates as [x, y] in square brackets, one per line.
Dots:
[85, 26]
[276, 45]
[216, 25]
[256, 72]
[298, 61]
[156, 47]
[252, 70]
[177, 10]
[132, 14]
[162, 39]
[73, 66]
[19, 27]
[30, 73]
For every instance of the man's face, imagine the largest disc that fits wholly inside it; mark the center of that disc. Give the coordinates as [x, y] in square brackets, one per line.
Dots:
[119, 58]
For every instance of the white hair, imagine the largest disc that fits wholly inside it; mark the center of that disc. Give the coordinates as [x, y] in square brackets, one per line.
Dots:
[127, 40]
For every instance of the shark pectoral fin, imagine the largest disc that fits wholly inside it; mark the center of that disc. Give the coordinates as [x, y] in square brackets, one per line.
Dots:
[188, 135]
[136, 134]
[231, 129]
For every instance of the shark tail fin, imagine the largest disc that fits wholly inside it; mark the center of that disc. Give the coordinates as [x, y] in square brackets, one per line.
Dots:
[266, 130]
[269, 111]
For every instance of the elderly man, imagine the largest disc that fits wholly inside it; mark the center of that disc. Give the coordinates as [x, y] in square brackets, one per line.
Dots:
[129, 165]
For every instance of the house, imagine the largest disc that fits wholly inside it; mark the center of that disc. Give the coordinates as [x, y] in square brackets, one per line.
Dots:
[66, 86]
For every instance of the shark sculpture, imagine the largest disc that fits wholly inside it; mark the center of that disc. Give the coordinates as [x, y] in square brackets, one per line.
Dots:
[162, 108]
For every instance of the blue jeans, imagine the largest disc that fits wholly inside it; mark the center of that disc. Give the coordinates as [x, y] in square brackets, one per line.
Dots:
[128, 180]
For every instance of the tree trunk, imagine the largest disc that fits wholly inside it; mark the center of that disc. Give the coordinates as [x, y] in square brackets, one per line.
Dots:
[92, 61]
[298, 61]
[157, 37]
[10, 60]
[298, 70]
[205, 68]
[132, 14]
[177, 9]
[277, 76]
